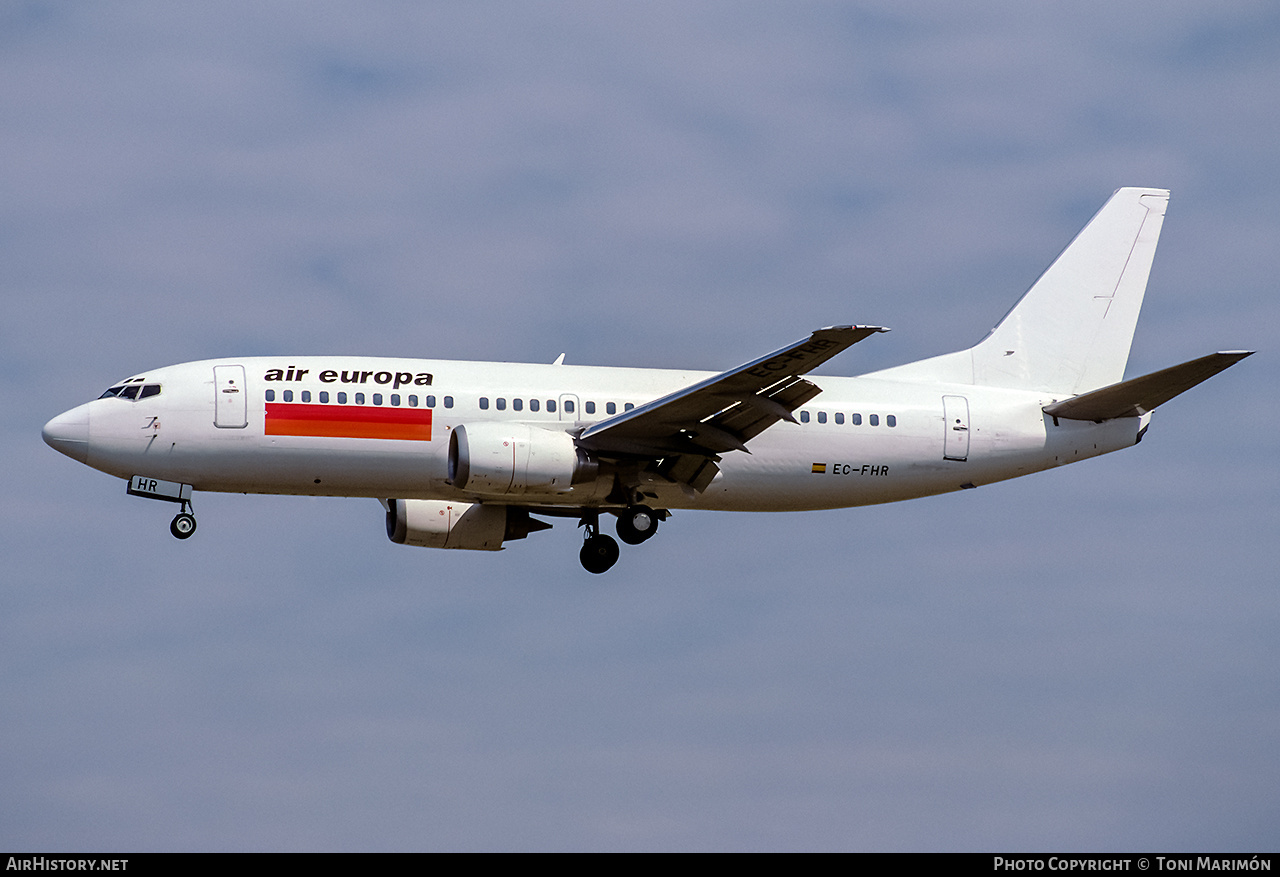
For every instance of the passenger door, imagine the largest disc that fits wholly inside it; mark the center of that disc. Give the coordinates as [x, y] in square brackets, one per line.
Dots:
[230, 405]
[955, 417]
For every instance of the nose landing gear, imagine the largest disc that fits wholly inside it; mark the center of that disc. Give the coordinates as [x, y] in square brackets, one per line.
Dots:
[183, 525]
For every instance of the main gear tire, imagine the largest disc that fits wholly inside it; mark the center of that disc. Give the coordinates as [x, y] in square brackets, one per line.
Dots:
[598, 554]
[637, 524]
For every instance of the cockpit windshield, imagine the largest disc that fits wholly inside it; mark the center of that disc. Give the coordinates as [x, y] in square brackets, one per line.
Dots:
[132, 390]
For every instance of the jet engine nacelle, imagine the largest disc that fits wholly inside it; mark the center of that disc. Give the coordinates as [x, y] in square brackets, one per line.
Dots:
[501, 459]
[431, 523]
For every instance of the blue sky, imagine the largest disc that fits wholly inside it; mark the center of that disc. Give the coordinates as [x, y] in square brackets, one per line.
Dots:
[1082, 659]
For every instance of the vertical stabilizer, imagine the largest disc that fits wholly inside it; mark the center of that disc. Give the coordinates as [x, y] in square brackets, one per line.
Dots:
[1072, 330]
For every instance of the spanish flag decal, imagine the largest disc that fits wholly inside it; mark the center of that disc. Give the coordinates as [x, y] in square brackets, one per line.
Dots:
[349, 421]
[819, 469]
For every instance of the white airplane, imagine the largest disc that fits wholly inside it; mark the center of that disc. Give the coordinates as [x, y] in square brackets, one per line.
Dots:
[466, 454]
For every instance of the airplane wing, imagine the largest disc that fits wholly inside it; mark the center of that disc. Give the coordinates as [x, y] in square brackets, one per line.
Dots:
[1137, 396]
[723, 412]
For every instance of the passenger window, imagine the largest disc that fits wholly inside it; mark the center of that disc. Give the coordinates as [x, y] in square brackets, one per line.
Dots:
[855, 419]
[306, 395]
[517, 404]
[804, 416]
[610, 408]
[395, 398]
[874, 419]
[270, 395]
[568, 406]
[533, 404]
[628, 407]
[890, 420]
[431, 401]
[484, 403]
[448, 401]
[377, 398]
[502, 404]
[822, 417]
[839, 417]
[359, 398]
[590, 407]
[324, 396]
[342, 398]
[288, 395]
[551, 406]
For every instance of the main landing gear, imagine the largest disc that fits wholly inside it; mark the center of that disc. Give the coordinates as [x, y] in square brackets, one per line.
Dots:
[600, 552]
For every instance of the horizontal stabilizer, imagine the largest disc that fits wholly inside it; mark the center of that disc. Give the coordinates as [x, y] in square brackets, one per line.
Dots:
[1137, 396]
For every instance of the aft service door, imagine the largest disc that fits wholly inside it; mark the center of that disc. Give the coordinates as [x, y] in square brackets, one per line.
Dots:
[229, 404]
[955, 416]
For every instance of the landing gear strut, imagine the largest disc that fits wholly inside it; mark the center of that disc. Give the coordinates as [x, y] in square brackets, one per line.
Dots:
[599, 552]
[184, 524]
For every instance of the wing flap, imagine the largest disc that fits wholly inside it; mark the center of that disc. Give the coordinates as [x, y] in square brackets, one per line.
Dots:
[1137, 396]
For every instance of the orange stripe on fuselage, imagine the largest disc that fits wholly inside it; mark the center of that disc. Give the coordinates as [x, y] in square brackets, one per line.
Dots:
[349, 421]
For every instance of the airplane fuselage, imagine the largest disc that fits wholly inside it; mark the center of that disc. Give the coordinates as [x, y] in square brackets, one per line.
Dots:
[293, 426]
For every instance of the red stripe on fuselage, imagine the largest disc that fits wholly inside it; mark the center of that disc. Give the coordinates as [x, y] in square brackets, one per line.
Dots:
[349, 421]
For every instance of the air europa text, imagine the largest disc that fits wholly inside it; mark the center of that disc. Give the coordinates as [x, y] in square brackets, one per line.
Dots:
[330, 376]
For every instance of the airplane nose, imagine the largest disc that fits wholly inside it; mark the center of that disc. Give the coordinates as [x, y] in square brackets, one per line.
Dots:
[68, 433]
